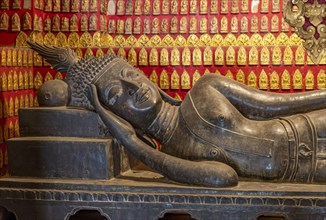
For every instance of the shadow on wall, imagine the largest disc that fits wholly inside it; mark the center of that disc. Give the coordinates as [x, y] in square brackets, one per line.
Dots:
[6, 215]
[87, 215]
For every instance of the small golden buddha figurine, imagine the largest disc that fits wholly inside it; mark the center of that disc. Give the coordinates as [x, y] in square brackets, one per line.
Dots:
[11, 109]
[27, 22]
[15, 22]
[132, 57]
[175, 80]
[16, 130]
[214, 7]
[197, 57]
[219, 56]
[195, 77]
[4, 82]
[38, 80]
[16, 106]
[193, 25]
[203, 7]
[185, 80]
[56, 6]
[65, 5]
[224, 25]
[48, 5]
[174, 25]
[9, 58]
[138, 7]
[193, 7]
[93, 23]
[274, 81]
[84, 6]
[309, 80]
[73, 23]
[264, 24]
[47, 24]
[300, 55]
[15, 81]
[121, 7]
[244, 6]
[288, 56]
[165, 7]
[208, 56]
[263, 80]
[65, 24]
[153, 57]
[128, 26]
[26, 102]
[234, 25]
[19, 57]
[297, 80]
[10, 130]
[240, 77]
[93, 7]
[129, 7]
[84, 23]
[121, 52]
[175, 57]
[103, 23]
[183, 25]
[264, 56]
[143, 57]
[276, 55]
[156, 7]
[155, 26]
[174, 7]
[5, 108]
[164, 80]
[213, 25]
[31, 80]
[14, 57]
[253, 56]
[321, 79]
[242, 56]
[56, 23]
[230, 56]
[146, 27]
[153, 77]
[184, 7]
[224, 7]
[35, 24]
[285, 26]
[5, 132]
[26, 85]
[285, 83]
[147, 7]
[10, 81]
[164, 26]
[164, 57]
[111, 27]
[254, 24]
[252, 80]
[35, 102]
[48, 77]
[244, 25]
[4, 22]
[274, 24]
[275, 5]
[235, 6]
[186, 57]
[4, 4]
[203, 26]
[264, 6]
[16, 4]
[74, 6]
[229, 74]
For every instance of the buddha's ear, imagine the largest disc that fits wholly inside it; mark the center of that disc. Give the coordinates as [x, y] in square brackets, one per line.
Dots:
[168, 98]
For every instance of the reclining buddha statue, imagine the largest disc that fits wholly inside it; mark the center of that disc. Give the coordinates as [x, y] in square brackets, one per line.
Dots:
[222, 130]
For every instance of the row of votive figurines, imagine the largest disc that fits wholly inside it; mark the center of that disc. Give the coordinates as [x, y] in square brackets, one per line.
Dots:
[165, 7]
[264, 81]
[16, 57]
[12, 81]
[100, 39]
[10, 105]
[9, 129]
[185, 25]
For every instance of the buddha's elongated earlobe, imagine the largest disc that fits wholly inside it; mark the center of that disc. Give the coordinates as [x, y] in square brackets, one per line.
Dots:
[168, 98]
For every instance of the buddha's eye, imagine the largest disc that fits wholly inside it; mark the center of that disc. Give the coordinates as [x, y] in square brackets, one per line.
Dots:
[113, 93]
[130, 74]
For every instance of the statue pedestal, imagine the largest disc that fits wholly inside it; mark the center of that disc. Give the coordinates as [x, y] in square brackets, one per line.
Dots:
[147, 196]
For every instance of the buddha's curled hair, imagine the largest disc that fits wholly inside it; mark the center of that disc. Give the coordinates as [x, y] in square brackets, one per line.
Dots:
[81, 75]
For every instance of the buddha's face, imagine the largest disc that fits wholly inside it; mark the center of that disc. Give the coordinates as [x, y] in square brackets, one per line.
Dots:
[130, 94]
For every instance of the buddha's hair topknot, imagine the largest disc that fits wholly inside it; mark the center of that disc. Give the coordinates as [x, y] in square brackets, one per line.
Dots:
[81, 75]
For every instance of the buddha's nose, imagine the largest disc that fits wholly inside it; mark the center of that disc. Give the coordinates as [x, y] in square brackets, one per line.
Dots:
[131, 85]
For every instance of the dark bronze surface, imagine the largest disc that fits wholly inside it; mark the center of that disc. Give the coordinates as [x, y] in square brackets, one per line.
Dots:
[221, 130]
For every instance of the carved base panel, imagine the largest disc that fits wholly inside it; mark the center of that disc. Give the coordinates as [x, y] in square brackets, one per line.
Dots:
[146, 195]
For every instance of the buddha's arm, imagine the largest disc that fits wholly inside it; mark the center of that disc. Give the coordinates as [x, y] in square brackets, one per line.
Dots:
[212, 174]
[257, 104]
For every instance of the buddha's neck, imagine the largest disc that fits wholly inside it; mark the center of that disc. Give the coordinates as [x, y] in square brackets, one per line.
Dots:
[164, 124]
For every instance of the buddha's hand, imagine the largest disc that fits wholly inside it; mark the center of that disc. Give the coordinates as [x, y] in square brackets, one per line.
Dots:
[117, 126]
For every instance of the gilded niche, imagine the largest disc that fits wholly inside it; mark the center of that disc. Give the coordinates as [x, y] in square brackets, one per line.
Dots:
[308, 19]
